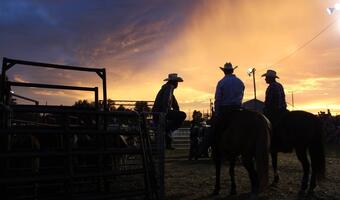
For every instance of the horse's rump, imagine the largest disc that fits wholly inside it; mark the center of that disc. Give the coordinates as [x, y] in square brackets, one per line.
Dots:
[302, 130]
[243, 132]
[248, 135]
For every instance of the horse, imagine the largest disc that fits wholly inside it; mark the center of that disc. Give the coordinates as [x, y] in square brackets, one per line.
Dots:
[248, 135]
[302, 131]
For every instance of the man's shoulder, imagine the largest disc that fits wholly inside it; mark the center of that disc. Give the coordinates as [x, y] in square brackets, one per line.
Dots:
[277, 85]
[231, 78]
[221, 81]
[238, 80]
[167, 86]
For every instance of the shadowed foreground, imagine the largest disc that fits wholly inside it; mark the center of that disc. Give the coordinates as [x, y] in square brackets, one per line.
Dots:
[195, 179]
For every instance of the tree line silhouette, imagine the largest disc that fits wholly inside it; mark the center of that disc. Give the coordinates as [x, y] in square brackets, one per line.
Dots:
[139, 106]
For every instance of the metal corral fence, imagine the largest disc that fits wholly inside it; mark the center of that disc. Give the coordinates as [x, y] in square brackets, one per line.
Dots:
[60, 152]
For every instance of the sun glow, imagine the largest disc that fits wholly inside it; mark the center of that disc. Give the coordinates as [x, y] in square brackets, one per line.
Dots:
[316, 107]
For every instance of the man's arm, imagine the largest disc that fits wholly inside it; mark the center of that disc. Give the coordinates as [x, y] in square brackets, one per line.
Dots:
[218, 98]
[175, 105]
[167, 97]
[272, 98]
[242, 91]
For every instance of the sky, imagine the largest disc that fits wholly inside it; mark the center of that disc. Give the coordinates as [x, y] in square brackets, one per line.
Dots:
[140, 42]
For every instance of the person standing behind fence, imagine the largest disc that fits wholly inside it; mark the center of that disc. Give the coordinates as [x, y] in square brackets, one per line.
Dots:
[166, 102]
[6, 99]
[195, 129]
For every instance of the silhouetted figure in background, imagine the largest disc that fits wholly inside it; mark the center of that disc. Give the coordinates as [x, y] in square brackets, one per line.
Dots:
[4, 122]
[166, 102]
[7, 99]
[203, 136]
[195, 130]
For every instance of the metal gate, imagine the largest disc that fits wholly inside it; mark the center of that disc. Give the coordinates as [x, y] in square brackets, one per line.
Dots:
[60, 152]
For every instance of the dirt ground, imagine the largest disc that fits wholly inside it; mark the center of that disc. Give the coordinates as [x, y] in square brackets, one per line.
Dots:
[194, 180]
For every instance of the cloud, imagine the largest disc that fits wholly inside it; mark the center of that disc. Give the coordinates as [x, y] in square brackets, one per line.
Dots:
[19, 78]
[140, 42]
[50, 93]
[123, 36]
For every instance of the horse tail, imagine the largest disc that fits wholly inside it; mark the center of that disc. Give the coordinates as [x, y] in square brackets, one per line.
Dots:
[317, 152]
[262, 155]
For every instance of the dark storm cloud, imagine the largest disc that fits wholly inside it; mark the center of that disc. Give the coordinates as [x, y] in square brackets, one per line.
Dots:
[125, 34]
[84, 32]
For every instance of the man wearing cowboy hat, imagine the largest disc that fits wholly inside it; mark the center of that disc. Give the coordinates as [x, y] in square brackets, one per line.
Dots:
[275, 102]
[229, 91]
[275, 107]
[166, 102]
[228, 100]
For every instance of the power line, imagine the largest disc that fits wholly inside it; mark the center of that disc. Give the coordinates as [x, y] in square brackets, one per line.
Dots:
[306, 43]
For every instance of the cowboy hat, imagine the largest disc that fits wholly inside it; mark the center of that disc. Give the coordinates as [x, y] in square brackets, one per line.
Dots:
[173, 77]
[228, 66]
[270, 73]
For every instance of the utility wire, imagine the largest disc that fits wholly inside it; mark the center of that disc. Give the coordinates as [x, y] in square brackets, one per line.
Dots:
[306, 43]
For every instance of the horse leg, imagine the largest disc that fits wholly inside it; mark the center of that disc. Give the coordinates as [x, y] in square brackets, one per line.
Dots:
[301, 153]
[312, 183]
[218, 173]
[232, 176]
[249, 165]
[274, 164]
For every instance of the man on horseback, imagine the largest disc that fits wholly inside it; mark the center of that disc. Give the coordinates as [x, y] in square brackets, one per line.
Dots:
[275, 102]
[239, 132]
[297, 130]
[275, 108]
[166, 102]
[228, 96]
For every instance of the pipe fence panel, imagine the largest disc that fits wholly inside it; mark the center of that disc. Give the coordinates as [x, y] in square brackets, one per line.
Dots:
[66, 155]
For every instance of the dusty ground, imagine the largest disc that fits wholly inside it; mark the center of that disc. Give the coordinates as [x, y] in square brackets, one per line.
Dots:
[194, 180]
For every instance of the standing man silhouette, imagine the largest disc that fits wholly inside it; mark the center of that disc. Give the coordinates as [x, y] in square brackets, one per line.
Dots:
[166, 102]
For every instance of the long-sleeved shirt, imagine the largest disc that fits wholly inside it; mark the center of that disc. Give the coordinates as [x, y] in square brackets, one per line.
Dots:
[165, 99]
[229, 92]
[275, 97]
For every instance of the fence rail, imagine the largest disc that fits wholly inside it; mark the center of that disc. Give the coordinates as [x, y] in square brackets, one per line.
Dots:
[129, 151]
[181, 138]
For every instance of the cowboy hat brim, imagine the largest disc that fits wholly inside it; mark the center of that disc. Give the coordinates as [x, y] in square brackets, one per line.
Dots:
[265, 75]
[222, 68]
[178, 79]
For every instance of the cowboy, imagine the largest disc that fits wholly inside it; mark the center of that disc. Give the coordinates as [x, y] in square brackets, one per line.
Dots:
[275, 102]
[229, 91]
[166, 102]
[274, 109]
[228, 100]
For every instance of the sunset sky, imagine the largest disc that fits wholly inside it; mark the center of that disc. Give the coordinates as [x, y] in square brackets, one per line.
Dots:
[140, 41]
